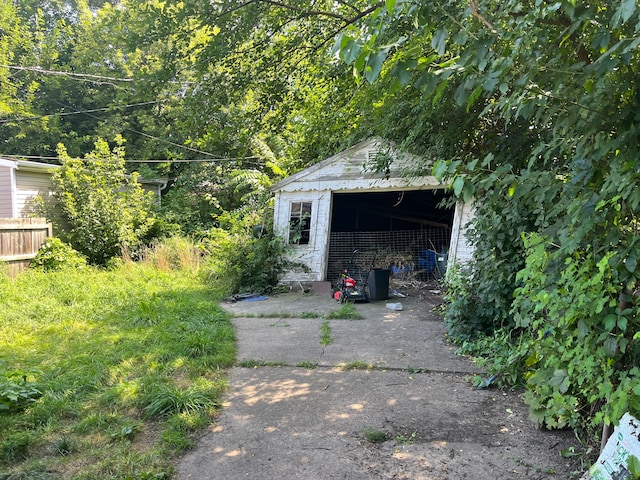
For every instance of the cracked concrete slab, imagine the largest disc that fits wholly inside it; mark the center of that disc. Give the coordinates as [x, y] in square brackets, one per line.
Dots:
[299, 423]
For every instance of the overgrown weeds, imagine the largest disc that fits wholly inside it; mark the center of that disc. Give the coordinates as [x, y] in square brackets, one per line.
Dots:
[347, 311]
[325, 333]
[375, 435]
[107, 373]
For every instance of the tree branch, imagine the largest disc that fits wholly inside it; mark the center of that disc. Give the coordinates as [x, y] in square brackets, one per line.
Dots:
[306, 13]
[476, 13]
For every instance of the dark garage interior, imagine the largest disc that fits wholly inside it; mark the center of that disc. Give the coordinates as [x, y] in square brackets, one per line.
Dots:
[399, 230]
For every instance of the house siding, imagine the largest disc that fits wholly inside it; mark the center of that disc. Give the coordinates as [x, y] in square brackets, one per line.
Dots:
[7, 201]
[29, 185]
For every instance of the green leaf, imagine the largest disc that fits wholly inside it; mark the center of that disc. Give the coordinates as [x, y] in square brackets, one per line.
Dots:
[570, 452]
[633, 466]
[583, 329]
[532, 359]
[473, 97]
[390, 4]
[339, 44]
[439, 91]
[626, 9]
[610, 322]
[350, 51]
[439, 170]
[560, 379]
[611, 347]
[622, 324]
[458, 184]
[439, 41]
[374, 65]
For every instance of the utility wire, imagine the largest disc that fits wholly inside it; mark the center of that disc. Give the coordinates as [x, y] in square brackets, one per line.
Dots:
[84, 76]
[195, 150]
[77, 112]
[89, 112]
[67, 74]
[195, 160]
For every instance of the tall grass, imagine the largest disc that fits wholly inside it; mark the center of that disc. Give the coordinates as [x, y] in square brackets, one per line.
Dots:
[173, 253]
[117, 368]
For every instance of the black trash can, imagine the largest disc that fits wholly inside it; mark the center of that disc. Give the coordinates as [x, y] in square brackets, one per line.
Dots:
[379, 283]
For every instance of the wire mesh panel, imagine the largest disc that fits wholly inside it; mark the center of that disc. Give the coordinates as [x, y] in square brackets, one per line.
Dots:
[404, 252]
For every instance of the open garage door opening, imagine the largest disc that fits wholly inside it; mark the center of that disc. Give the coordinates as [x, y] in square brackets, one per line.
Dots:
[408, 232]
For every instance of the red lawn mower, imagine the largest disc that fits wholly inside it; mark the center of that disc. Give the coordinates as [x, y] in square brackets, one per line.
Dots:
[352, 286]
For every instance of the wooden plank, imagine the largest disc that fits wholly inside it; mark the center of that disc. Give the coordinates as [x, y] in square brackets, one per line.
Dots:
[24, 226]
[17, 258]
[20, 240]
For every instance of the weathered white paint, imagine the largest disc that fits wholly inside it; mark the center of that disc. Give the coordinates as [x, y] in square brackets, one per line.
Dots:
[314, 254]
[460, 250]
[344, 173]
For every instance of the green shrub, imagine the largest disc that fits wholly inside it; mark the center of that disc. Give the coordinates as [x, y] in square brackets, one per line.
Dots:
[105, 211]
[15, 447]
[238, 262]
[460, 315]
[54, 254]
[582, 353]
[17, 392]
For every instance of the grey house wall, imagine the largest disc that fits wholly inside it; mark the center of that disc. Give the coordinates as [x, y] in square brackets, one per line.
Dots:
[7, 187]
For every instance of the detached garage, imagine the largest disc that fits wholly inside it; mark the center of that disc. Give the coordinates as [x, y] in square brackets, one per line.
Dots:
[337, 206]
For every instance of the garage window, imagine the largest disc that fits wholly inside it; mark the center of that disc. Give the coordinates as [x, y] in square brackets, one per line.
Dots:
[300, 223]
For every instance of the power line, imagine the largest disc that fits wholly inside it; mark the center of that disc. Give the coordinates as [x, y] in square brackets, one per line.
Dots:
[194, 160]
[178, 145]
[89, 112]
[77, 112]
[84, 76]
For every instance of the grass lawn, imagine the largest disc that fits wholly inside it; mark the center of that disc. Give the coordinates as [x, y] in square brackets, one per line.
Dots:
[107, 374]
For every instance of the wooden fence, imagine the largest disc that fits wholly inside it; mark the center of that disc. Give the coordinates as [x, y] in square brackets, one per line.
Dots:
[20, 239]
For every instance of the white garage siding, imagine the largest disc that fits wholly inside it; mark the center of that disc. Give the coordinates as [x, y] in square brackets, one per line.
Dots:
[460, 250]
[314, 254]
[345, 173]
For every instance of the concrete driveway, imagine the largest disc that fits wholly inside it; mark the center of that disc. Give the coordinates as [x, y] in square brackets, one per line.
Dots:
[296, 410]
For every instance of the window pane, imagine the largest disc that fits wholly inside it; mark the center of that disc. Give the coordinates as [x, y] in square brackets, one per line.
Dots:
[300, 223]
